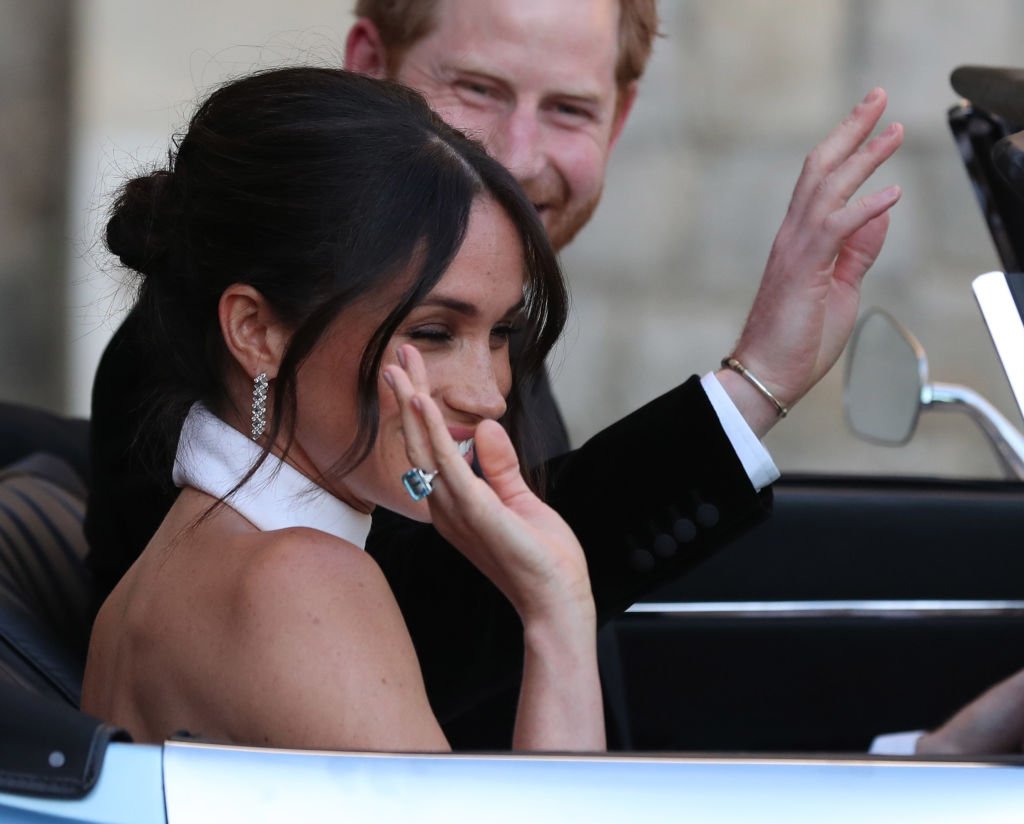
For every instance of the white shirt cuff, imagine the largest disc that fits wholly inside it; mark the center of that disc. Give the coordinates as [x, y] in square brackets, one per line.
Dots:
[896, 743]
[759, 466]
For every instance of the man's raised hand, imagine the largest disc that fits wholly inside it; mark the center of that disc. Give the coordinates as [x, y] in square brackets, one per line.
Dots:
[807, 303]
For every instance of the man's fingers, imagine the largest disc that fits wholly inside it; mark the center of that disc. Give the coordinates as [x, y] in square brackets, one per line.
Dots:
[844, 223]
[861, 250]
[851, 132]
[841, 142]
[845, 180]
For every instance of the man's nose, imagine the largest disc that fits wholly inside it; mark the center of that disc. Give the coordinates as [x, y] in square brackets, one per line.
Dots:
[518, 143]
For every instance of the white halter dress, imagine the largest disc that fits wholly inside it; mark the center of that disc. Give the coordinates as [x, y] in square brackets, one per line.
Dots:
[213, 457]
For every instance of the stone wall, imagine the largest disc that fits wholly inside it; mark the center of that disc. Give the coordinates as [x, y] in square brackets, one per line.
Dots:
[738, 92]
[34, 57]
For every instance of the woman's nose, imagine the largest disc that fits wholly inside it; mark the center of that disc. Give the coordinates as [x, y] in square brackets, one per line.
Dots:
[480, 389]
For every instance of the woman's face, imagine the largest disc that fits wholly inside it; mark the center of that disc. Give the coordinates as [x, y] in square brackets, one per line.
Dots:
[462, 330]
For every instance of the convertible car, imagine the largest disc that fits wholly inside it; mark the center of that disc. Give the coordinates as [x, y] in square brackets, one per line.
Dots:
[749, 690]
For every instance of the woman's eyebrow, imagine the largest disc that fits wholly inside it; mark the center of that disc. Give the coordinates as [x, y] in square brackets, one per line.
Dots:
[516, 307]
[461, 306]
[464, 307]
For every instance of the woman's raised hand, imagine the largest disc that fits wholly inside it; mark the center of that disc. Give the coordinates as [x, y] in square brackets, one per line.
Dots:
[516, 540]
[527, 551]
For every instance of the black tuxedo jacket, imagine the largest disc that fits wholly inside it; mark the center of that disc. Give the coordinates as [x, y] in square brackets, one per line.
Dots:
[648, 497]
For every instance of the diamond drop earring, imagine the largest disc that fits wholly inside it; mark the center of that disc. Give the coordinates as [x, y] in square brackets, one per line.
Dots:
[259, 405]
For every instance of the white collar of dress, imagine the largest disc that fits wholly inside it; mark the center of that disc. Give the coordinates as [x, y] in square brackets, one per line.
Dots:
[213, 457]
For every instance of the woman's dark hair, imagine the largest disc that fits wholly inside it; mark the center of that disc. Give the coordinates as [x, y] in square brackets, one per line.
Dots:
[317, 187]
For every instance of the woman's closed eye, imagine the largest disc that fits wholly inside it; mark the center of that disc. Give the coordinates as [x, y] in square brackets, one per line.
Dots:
[502, 333]
[431, 334]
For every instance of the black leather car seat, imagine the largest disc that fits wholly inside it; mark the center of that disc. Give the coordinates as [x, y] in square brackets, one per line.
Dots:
[46, 591]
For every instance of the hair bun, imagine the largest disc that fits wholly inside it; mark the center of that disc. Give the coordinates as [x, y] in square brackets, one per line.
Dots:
[137, 229]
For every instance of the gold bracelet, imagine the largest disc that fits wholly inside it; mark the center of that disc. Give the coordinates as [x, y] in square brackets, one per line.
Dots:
[736, 366]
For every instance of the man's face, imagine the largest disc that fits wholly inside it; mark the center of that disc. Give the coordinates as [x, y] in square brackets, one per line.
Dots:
[535, 81]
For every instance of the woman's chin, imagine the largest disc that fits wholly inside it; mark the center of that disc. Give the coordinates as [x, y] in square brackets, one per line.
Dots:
[418, 511]
[407, 508]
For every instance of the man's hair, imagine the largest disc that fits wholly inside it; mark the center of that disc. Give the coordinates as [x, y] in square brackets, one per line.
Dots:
[402, 23]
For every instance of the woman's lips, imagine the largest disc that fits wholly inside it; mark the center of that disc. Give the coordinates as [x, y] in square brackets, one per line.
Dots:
[463, 437]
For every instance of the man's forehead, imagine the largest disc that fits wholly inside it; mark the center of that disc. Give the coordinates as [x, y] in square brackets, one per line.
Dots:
[569, 41]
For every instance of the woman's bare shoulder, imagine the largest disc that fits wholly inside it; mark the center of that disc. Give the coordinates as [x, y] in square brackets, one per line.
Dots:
[307, 560]
[313, 623]
[301, 580]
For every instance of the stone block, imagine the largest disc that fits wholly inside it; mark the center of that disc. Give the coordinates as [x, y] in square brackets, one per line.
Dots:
[911, 46]
[775, 64]
[644, 224]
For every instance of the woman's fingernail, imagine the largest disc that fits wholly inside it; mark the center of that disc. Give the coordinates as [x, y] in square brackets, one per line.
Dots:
[417, 404]
[390, 381]
[871, 96]
[401, 357]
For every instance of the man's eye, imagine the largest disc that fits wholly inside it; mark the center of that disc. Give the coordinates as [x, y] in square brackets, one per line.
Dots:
[570, 110]
[480, 89]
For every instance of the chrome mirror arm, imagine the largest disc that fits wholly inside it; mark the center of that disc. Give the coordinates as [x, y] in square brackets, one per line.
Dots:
[1005, 438]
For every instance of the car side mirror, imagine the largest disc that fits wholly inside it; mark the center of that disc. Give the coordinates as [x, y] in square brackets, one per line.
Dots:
[887, 386]
[886, 375]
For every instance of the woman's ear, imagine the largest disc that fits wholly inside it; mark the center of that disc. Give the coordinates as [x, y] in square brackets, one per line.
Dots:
[253, 334]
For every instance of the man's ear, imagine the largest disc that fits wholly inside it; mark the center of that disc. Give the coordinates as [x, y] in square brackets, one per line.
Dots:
[365, 52]
[623, 106]
[253, 334]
